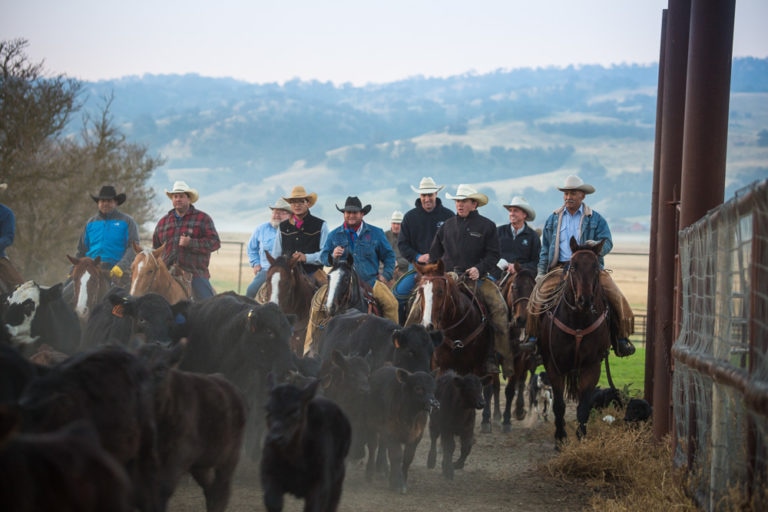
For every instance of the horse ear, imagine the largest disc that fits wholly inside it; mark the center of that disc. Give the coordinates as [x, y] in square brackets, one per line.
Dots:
[574, 245]
[598, 248]
[440, 266]
[350, 259]
[270, 259]
[97, 261]
[72, 260]
[137, 247]
[330, 259]
[158, 252]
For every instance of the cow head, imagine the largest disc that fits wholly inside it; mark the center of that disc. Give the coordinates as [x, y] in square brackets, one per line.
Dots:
[21, 307]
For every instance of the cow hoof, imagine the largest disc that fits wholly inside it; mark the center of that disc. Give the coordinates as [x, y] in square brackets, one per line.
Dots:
[485, 428]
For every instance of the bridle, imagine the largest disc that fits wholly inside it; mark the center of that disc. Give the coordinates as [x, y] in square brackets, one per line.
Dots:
[480, 326]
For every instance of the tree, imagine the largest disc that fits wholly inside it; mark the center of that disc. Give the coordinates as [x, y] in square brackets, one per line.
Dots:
[51, 176]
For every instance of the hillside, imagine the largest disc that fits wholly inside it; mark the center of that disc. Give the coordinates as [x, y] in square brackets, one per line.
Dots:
[508, 132]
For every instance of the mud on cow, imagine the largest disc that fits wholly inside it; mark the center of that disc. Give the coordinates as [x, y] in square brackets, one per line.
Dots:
[305, 448]
[244, 342]
[399, 406]
[36, 314]
[459, 397]
[380, 340]
[188, 441]
[62, 470]
[112, 389]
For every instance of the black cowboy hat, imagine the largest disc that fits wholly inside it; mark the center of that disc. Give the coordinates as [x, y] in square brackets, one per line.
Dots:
[108, 192]
[353, 204]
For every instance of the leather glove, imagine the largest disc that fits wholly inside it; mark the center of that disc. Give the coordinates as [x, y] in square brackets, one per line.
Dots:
[116, 272]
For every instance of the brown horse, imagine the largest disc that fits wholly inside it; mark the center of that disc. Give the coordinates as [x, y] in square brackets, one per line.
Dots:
[149, 274]
[457, 312]
[575, 336]
[91, 284]
[289, 287]
[516, 290]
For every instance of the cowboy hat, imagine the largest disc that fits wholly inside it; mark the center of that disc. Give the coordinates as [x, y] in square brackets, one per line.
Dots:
[182, 188]
[575, 183]
[520, 202]
[467, 192]
[298, 192]
[108, 192]
[3, 186]
[281, 204]
[427, 186]
[353, 204]
[397, 217]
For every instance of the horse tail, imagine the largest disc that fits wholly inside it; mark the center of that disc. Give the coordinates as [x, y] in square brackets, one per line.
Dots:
[572, 385]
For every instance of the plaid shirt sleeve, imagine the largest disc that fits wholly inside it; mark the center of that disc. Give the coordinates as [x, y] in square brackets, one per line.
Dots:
[196, 257]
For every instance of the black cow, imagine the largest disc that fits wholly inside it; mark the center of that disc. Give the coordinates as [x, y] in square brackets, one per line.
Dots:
[344, 379]
[460, 397]
[37, 314]
[188, 441]
[604, 397]
[637, 410]
[244, 342]
[305, 448]
[380, 340]
[112, 388]
[397, 414]
[16, 372]
[131, 321]
[65, 470]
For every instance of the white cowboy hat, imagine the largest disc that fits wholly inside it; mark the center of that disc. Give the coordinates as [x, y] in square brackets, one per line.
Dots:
[522, 203]
[467, 192]
[281, 204]
[397, 217]
[298, 192]
[575, 183]
[427, 186]
[3, 186]
[182, 188]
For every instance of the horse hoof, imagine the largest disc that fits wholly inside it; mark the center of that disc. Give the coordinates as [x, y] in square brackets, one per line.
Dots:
[485, 428]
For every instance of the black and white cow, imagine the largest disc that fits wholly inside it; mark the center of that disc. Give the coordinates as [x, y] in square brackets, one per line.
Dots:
[36, 315]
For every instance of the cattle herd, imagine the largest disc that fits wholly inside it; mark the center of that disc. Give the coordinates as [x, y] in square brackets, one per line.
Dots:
[111, 412]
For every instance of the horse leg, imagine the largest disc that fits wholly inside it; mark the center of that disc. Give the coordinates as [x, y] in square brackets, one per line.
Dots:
[485, 424]
[496, 384]
[520, 391]
[558, 407]
[509, 394]
[582, 413]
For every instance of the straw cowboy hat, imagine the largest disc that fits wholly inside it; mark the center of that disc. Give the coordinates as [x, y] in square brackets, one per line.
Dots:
[467, 192]
[575, 183]
[3, 186]
[281, 204]
[397, 217]
[298, 192]
[108, 192]
[427, 186]
[520, 202]
[182, 188]
[353, 204]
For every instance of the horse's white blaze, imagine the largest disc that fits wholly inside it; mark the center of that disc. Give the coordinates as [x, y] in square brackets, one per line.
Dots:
[138, 273]
[81, 308]
[275, 296]
[22, 333]
[426, 315]
[333, 283]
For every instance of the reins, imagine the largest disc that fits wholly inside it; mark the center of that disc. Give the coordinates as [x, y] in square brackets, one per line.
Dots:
[480, 326]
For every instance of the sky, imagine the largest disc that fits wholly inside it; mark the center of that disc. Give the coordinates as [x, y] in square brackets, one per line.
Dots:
[344, 41]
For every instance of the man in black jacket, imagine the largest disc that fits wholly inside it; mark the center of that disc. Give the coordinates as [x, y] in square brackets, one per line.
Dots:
[518, 241]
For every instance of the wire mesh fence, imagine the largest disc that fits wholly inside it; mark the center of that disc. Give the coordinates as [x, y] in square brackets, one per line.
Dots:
[720, 383]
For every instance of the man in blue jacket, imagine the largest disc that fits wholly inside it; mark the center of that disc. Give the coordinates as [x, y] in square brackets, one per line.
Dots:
[9, 276]
[370, 251]
[576, 219]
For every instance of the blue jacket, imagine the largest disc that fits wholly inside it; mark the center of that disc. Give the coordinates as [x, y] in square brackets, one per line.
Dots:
[7, 228]
[110, 237]
[262, 239]
[593, 227]
[370, 248]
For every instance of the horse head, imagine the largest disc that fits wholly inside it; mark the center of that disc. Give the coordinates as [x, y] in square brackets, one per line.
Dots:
[90, 284]
[279, 277]
[519, 293]
[343, 285]
[147, 267]
[583, 274]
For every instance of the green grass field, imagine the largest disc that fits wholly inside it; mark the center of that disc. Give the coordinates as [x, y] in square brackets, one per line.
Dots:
[628, 373]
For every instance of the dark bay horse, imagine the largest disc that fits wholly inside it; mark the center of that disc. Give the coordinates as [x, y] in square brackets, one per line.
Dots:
[516, 289]
[445, 307]
[91, 284]
[289, 287]
[575, 336]
[150, 274]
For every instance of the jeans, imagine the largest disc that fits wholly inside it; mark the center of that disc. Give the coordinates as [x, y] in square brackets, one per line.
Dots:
[258, 280]
[201, 288]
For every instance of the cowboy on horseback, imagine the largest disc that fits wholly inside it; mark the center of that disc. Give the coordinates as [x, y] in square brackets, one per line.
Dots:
[468, 243]
[9, 276]
[576, 219]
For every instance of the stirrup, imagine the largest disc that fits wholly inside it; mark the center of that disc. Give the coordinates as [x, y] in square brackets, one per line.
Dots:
[530, 345]
[624, 348]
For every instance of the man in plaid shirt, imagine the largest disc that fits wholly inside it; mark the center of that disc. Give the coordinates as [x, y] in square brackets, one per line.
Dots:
[189, 237]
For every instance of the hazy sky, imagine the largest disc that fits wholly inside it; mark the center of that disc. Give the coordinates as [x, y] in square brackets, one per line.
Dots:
[356, 41]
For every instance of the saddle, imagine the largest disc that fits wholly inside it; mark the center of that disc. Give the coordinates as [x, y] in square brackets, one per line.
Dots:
[183, 277]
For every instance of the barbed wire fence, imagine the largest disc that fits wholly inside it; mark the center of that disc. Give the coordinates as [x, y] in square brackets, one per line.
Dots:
[720, 381]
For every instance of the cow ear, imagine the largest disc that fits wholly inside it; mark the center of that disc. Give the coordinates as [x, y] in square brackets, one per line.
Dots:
[308, 393]
[396, 337]
[401, 375]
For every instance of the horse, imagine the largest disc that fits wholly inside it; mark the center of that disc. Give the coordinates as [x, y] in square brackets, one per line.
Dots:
[346, 290]
[149, 274]
[575, 335]
[516, 289]
[91, 284]
[289, 287]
